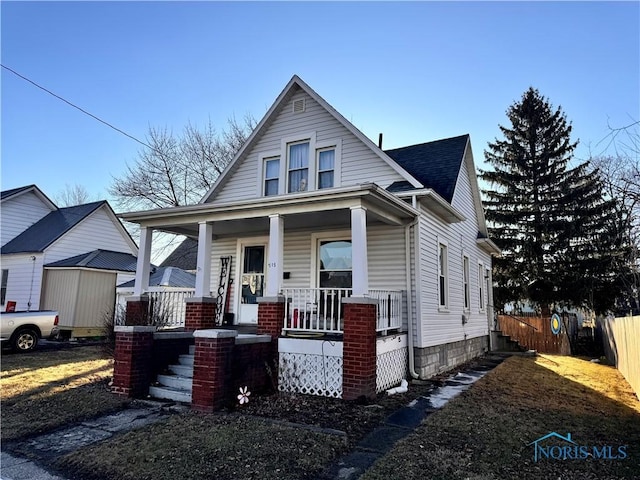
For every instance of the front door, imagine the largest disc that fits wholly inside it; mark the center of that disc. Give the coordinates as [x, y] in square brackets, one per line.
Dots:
[252, 282]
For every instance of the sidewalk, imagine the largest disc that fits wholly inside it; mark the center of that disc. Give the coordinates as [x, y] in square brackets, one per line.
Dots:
[15, 464]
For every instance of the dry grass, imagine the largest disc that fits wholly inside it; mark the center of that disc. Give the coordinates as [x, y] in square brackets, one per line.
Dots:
[485, 433]
[199, 447]
[44, 390]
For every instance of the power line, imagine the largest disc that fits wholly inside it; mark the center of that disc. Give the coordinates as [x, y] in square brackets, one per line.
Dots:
[77, 107]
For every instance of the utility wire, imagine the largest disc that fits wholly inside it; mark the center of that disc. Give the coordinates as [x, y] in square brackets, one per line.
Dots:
[77, 107]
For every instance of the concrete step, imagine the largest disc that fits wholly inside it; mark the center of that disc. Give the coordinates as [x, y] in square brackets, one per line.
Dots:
[176, 381]
[169, 393]
[182, 370]
[186, 360]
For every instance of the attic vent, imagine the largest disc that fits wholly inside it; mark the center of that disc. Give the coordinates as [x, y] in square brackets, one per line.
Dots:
[298, 105]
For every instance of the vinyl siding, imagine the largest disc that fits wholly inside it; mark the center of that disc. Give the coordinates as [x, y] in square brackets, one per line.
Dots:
[356, 156]
[97, 231]
[96, 298]
[20, 213]
[445, 326]
[25, 279]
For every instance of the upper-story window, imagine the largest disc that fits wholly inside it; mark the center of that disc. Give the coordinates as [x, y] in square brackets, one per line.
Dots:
[271, 176]
[298, 167]
[465, 275]
[326, 167]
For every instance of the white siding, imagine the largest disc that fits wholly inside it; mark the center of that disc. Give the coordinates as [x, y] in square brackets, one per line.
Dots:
[25, 279]
[438, 326]
[97, 231]
[356, 157]
[20, 213]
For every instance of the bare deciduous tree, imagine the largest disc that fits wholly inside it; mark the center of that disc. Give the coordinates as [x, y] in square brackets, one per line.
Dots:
[179, 169]
[72, 195]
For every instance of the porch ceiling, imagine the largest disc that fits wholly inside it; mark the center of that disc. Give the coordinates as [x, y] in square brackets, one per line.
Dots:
[321, 209]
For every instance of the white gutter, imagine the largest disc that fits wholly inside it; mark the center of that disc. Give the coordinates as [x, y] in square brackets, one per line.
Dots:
[407, 250]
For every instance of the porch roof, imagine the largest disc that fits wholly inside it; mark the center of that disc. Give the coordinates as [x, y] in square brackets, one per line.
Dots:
[320, 208]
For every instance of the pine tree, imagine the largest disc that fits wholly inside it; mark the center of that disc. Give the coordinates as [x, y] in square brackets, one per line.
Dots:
[548, 219]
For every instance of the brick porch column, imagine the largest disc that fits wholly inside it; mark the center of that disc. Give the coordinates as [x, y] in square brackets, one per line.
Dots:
[271, 318]
[200, 313]
[137, 312]
[132, 367]
[212, 369]
[359, 348]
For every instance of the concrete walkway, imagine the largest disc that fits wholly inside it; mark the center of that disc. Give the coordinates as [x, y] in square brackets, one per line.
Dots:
[15, 465]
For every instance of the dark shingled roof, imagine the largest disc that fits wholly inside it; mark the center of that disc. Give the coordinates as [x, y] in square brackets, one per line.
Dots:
[167, 277]
[48, 229]
[185, 256]
[434, 164]
[14, 191]
[101, 260]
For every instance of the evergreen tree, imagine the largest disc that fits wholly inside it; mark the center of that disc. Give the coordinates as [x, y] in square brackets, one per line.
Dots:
[549, 220]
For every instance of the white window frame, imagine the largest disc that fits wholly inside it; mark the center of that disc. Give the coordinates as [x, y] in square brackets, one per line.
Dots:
[316, 238]
[443, 271]
[481, 287]
[466, 282]
[336, 145]
[309, 137]
[262, 159]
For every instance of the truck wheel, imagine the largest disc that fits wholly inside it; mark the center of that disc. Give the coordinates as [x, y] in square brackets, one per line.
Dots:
[25, 340]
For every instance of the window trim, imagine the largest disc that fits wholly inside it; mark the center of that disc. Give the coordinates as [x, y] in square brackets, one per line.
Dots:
[309, 137]
[336, 144]
[443, 271]
[4, 282]
[481, 287]
[318, 171]
[262, 159]
[466, 283]
[316, 238]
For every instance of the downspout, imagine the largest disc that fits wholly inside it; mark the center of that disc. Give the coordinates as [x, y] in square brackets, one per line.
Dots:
[407, 250]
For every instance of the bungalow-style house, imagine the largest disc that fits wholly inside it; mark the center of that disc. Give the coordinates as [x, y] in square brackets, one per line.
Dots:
[311, 220]
[66, 259]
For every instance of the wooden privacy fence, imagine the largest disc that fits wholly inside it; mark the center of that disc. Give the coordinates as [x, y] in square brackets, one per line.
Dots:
[621, 342]
[534, 333]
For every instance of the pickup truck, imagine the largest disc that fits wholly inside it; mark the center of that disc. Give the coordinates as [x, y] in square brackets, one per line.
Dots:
[23, 330]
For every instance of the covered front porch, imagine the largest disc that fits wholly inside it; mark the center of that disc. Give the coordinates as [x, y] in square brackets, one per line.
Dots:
[302, 268]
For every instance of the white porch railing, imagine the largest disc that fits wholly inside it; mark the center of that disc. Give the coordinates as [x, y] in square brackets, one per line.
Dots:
[320, 309]
[167, 308]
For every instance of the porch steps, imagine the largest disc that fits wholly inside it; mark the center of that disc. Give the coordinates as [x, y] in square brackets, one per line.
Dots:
[177, 384]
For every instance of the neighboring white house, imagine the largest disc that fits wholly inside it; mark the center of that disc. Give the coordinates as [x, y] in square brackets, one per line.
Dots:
[312, 210]
[69, 259]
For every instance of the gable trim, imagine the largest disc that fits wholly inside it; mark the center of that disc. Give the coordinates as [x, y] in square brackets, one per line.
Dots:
[269, 116]
[38, 193]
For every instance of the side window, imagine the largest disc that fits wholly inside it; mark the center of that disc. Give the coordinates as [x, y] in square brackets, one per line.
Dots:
[326, 166]
[443, 281]
[298, 167]
[465, 274]
[481, 283]
[3, 286]
[271, 176]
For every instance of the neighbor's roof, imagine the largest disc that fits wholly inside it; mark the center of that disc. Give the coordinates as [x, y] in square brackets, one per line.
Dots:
[15, 191]
[6, 194]
[101, 260]
[167, 277]
[47, 230]
[185, 256]
[435, 164]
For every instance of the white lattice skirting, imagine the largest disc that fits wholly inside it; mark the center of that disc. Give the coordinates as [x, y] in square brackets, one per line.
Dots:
[391, 362]
[310, 366]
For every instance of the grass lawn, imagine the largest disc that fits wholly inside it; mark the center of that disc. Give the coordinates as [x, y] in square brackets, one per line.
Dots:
[485, 433]
[46, 389]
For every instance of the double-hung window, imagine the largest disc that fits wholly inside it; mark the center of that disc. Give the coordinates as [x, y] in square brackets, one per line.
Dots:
[3, 287]
[465, 274]
[443, 281]
[481, 282]
[326, 167]
[271, 176]
[298, 168]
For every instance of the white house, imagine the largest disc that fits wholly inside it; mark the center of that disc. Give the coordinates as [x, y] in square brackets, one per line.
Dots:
[68, 259]
[311, 211]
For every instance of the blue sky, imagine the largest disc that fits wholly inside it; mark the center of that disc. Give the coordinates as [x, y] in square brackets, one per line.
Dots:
[415, 71]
